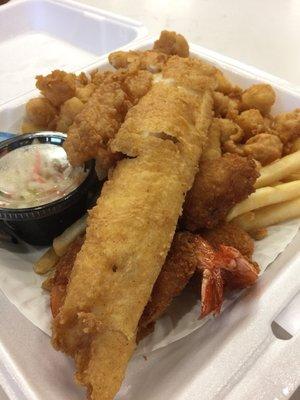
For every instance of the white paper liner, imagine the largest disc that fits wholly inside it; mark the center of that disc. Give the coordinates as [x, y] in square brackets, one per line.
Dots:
[23, 288]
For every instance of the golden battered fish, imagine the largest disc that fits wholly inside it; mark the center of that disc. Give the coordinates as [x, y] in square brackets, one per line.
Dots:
[129, 233]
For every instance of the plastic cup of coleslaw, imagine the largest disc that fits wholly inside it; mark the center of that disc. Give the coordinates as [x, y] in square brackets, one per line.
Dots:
[41, 194]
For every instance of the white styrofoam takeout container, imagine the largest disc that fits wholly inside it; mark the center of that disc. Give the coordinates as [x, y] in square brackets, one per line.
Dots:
[38, 36]
[233, 357]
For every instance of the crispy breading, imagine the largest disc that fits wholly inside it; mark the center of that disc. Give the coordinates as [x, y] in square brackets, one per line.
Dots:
[178, 268]
[218, 186]
[260, 96]
[232, 235]
[287, 125]
[153, 121]
[172, 43]
[169, 43]
[57, 87]
[264, 147]
[225, 86]
[105, 161]
[129, 233]
[61, 278]
[231, 136]
[191, 73]
[175, 274]
[134, 82]
[136, 85]
[224, 106]
[173, 277]
[83, 93]
[102, 115]
[99, 76]
[292, 146]
[41, 113]
[195, 74]
[68, 112]
[212, 148]
[30, 127]
[252, 122]
[117, 91]
[98, 121]
[149, 60]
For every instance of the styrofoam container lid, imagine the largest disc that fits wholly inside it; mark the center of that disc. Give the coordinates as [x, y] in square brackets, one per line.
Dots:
[38, 36]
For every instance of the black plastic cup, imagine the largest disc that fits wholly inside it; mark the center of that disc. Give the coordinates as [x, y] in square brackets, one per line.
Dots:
[41, 224]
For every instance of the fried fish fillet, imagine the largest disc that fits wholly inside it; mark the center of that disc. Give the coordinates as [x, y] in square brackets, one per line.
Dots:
[129, 233]
[174, 276]
[191, 73]
[195, 73]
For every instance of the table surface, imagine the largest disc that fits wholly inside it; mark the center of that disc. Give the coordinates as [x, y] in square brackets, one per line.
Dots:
[264, 34]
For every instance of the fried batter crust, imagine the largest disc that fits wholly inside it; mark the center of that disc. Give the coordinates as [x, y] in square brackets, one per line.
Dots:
[178, 268]
[172, 43]
[57, 87]
[102, 115]
[218, 186]
[232, 235]
[129, 234]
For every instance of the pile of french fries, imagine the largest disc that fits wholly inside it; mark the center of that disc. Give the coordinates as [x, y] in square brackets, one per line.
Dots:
[276, 198]
[60, 245]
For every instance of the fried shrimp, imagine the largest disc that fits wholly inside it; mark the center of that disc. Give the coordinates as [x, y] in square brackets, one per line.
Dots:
[219, 184]
[224, 267]
[177, 270]
[231, 235]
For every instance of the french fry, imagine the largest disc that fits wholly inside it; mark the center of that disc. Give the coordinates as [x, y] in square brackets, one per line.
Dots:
[259, 234]
[266, 196]
[278, 170]
[62, 242]
[274, 184]
[46, 262]
[270, 215]
[48, 282]
[293, 177]
[296, 145]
